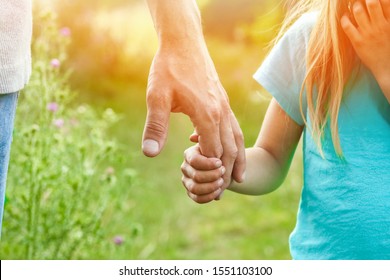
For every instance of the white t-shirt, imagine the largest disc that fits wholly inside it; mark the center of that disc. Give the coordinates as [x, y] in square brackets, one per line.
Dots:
[15, 41]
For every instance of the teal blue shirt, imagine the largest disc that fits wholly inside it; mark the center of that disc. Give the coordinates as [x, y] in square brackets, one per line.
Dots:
[344, 211]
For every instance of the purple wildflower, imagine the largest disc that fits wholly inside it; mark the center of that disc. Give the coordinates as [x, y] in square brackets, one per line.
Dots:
[118, 240]
[59, 123]
[55, 63]
[65, 31]
[52, 107]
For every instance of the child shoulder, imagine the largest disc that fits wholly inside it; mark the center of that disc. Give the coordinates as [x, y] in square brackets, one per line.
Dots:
[304, 24]
[307, 20]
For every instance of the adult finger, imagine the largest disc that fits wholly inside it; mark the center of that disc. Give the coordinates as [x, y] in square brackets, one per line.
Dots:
[206, 124]
[361, 15]
[238, 173]
[202, 189]
[230, 150]
[156, 125]
[375, 11]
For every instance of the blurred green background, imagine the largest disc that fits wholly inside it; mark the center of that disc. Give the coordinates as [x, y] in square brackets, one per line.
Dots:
[110, 52]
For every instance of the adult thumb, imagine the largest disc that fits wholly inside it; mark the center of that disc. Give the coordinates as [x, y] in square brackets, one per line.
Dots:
[155, 131]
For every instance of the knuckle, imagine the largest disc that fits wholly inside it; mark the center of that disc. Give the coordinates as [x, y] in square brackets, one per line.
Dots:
[197, 191]
[226, 108]
[216, 174]
[192, 196]
[183, 180]
[219, 152]
[209, 110]
[183, 167]
[371, 3]
[233, 153]
[198, 176]
[358, 8]
[150, 95]
[191, 159]
[155, 127]
[195, 198]
[214, 114]
[239, 136]
[186, 154]
[214, 187]
[156, 99]
[190, 186]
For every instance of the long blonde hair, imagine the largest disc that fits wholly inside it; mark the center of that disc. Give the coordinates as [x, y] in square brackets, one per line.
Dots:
[329, 62]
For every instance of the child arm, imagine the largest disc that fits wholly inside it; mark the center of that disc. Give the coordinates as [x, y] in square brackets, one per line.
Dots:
[267, 162]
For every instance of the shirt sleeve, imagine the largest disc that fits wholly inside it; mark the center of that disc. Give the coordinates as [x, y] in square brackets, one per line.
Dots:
[283, 71]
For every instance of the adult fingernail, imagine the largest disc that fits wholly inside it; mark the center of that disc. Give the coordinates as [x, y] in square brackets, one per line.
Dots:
[223, 170]
[150, 147]
[218, 163]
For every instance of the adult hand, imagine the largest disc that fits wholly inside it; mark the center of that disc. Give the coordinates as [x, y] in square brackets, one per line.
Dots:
[183, 79]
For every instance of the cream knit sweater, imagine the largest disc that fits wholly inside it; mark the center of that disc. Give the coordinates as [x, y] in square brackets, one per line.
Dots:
[15, 40]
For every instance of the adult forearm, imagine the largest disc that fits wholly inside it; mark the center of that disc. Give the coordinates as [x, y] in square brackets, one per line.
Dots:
[263, 173]
[176, 21]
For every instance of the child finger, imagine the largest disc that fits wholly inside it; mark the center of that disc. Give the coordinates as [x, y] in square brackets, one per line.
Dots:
[201, 199]
[386, 9]
[361, 15]
[201, 189]
[350, 29]
[200, 176]
[194, 137]
[375, 11]
[200, 162]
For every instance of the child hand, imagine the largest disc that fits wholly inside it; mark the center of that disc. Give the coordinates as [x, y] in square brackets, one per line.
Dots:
[371, 36]
[202, 176]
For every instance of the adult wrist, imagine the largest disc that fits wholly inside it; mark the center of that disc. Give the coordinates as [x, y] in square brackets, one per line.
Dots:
[177, 23]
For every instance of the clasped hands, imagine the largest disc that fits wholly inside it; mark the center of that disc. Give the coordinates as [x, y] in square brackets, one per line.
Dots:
[186, 81]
